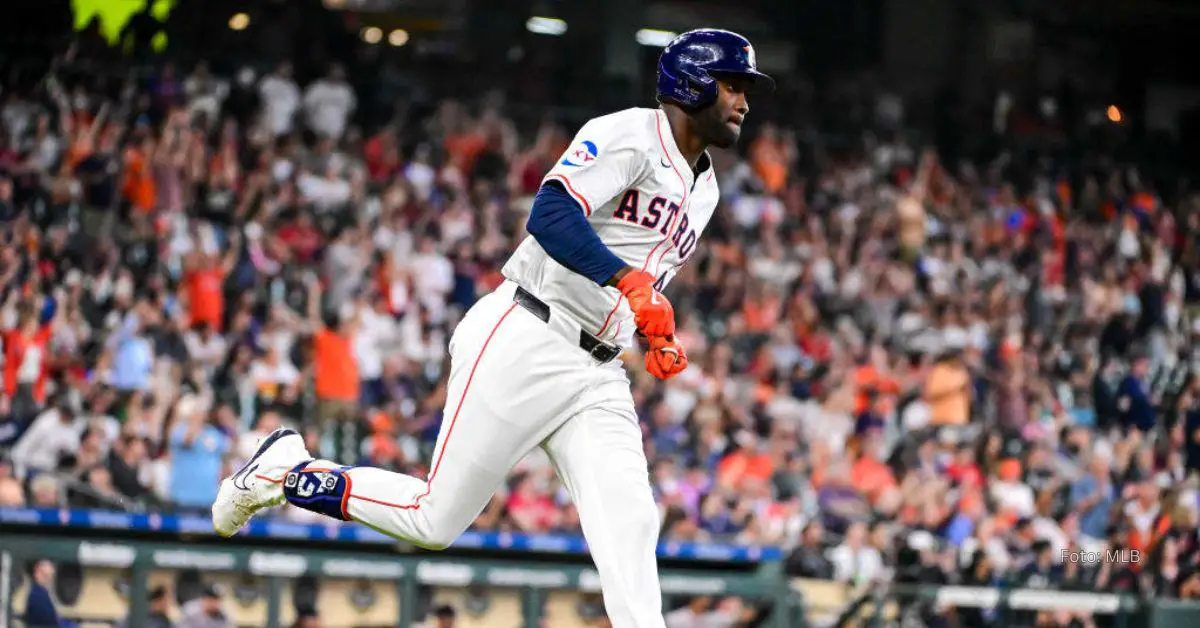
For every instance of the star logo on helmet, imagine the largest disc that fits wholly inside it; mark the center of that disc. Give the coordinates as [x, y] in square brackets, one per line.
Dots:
[749, 50]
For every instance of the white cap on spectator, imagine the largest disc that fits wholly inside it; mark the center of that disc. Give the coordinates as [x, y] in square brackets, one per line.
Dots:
[190, 404]
[921, 540]
[253, 231]
[954, 339]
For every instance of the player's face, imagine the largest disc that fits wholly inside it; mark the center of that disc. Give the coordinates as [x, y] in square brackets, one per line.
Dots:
[721, 124]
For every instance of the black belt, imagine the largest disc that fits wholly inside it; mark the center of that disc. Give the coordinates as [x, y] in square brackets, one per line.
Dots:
[598, 349]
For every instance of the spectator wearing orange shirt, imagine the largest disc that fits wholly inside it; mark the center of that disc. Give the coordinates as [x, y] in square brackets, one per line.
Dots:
[871, 379]
[869, 474]
[748, 461]
[465, 146]
[335, 375]
[138, 187]
[380, 448]
[762, 310]
[204, 277]
[25, 365]
[948, 391]
[769, 159]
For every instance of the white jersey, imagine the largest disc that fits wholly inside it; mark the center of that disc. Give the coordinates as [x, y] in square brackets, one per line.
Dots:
[644, 202]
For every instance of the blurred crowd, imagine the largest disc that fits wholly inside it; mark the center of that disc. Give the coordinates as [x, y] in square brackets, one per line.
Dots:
[903, 368]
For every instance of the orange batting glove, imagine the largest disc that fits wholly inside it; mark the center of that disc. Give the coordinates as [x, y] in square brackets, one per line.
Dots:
[665, 357]
[652, 312]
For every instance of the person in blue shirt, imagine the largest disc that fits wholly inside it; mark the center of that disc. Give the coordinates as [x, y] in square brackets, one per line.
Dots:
[1133, 397]
[1093, 496]
[962, 525]
[132, 353]
[670, 436]
[40, 611]
[197, 448]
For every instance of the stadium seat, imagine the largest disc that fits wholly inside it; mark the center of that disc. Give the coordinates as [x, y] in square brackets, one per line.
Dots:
[823, 599]
[561, 610]
[504, 610]
[337, 611]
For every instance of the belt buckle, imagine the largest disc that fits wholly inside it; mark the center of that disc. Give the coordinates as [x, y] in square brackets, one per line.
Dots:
[602, 351]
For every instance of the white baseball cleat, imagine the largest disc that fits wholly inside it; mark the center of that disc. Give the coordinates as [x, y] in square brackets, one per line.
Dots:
[259, 483]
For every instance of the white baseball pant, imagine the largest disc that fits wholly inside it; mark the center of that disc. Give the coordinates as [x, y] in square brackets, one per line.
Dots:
[516, 384]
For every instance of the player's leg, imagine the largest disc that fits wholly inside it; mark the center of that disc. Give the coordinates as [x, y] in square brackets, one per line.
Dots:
[480, 440]
[509, 382]
[509, 377]
[599, 457]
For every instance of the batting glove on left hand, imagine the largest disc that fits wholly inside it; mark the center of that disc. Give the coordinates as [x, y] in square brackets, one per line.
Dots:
[652, 312]
[665, 357]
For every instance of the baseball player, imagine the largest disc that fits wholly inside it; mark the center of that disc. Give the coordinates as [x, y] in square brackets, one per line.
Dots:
[533, 364]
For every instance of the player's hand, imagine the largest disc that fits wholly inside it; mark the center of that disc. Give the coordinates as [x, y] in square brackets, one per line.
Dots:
[652, 312]
[665, 357]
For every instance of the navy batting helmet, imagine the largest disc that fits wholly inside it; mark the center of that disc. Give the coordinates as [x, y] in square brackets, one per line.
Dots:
[689, 66]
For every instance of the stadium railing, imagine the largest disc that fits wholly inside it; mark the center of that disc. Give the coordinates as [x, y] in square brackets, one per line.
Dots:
[531, 569]
[157, 523]
[135, 548]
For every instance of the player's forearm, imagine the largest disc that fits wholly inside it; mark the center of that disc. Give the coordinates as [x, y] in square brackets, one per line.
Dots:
[559, 225]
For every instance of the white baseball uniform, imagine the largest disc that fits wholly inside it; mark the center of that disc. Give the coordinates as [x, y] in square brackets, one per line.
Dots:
[518, 381]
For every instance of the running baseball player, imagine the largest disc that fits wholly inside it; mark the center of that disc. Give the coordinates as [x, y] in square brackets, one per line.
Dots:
[533, 364]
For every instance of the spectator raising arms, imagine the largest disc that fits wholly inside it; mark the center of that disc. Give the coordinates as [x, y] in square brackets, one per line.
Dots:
[196, 450]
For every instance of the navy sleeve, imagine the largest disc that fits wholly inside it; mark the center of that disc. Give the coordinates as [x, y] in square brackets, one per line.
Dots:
[558, 223]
